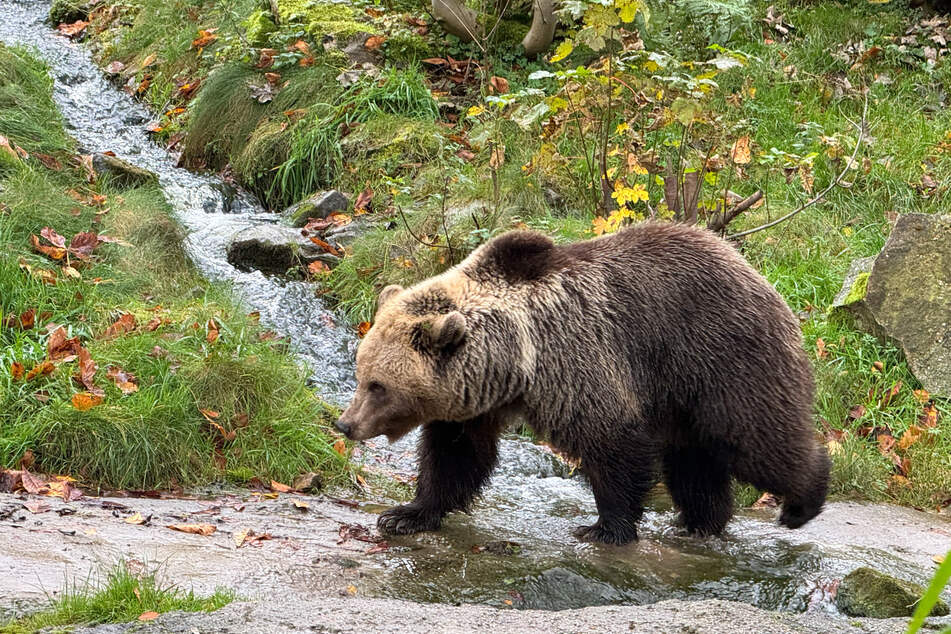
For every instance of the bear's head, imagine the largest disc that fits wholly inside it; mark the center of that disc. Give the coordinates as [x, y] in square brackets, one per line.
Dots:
[408, 366]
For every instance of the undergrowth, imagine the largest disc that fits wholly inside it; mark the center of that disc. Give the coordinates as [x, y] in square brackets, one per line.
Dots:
[122, 596]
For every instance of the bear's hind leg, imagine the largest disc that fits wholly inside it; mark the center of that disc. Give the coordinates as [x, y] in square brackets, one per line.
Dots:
[620, 479]
[698, 479]
[455, 461]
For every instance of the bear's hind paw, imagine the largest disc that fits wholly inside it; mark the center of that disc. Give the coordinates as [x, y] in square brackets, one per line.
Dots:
[618, 536]
[407, 519]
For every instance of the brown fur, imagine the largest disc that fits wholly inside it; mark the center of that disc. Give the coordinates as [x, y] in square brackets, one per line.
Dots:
[654, 352]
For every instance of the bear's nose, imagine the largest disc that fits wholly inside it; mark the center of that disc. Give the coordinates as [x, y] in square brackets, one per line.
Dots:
[344, 427]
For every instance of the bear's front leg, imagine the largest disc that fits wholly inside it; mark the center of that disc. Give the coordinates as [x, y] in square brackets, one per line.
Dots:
[455, 461]
[620, 482]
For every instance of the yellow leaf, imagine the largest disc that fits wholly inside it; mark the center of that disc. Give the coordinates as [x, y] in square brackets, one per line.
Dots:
[475, 111]
[351, 589]
[562, 51]
[623, 194]
[741, 151]
[136, 519]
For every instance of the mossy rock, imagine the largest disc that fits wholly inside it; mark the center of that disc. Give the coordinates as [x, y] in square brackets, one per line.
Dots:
[122, 173]
[68, 11]
[870, 593]
[393, 137]
[407, 48]
[325, 18]
[258, 26]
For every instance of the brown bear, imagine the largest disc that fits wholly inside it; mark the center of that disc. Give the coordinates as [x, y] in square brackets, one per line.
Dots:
[654, 352]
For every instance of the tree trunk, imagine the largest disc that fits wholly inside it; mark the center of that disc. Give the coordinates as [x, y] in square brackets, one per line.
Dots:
[457, 19]
[542, 31]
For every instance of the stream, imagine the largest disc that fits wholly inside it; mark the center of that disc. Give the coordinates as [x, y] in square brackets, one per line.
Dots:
[515, 548]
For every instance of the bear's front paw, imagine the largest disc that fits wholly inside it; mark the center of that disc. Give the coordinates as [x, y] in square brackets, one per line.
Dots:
[407, 519]
[617, 534]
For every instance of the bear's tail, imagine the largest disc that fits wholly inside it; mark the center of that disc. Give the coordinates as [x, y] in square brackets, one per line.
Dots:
[809, 499]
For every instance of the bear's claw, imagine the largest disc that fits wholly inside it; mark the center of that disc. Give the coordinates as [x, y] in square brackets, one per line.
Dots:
[406, 520]
[598, 533]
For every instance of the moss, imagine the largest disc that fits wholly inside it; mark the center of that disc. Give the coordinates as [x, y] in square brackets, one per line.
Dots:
[325, 18]
[258, 26]
[508, 33]
[407, 48]
[867, 592]
[389, 141]
[268, 147]
[68, 11]
[858, 290]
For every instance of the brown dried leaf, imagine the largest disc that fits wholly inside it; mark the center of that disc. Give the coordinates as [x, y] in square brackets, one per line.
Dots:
[499, 84]
[326, 246]
[59, 348]
[363, 328]
[41, 369]
[317, 267]
[280, 488]
[889, 395]
[362, 204]
[374, 42]
[148, 616]
[125, 323]
[194, 529]
[212, 335]
[205, 37]
[741, 153]
[16, 370]
[125, 381]
[54, 253]
[83, 244]
[74, 29]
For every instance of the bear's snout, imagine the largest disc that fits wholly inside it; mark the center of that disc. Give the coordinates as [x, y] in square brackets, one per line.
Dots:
[344, 427]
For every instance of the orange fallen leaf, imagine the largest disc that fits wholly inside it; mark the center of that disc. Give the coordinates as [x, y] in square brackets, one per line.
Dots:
[374, 42]
[125, 381]
[16, 370]
[922, 395]
[148, 616]
[301, 504]
[84, 401]
[929, 416]
[340, 446]
[499, 84]
[326, 246]
[74, 29]
[363, 328]
[362, 203]
[209, 414]
[911, 436]
[317, 268]
[41, 369]
[194, 529]
[212, 335]
[280, 488]
[205, 37]
[148, 61]
[821, 351]
[59, 348]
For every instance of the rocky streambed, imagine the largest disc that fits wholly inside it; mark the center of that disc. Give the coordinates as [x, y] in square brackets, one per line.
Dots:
[511, 565]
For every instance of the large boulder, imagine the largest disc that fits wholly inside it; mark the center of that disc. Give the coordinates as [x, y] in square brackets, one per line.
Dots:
[904, 295]
[320, 205]
[868, 592]
[274, 249]
[123, 173]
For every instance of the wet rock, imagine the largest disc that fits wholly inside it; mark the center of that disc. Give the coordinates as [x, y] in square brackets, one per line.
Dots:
[274, 249]
[346, 235]
[867, 592]
[308, 483]
[904, 295]
[123, 173]
[320, 205]
[561, 588]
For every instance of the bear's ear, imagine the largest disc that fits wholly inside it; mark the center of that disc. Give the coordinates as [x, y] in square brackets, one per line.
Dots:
[448, 331]
[387, 294]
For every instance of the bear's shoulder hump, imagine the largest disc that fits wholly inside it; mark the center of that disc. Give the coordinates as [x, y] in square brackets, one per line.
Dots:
[520, 256]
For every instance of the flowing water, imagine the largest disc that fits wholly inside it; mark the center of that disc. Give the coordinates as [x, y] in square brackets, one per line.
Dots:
[515, 549]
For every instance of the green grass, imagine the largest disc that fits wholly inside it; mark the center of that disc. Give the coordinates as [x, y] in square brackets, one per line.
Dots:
[156, 436]
[122, 596]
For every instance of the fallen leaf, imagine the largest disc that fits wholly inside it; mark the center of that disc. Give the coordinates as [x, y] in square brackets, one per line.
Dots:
[194, 529]
[16, 370]
[766, 501]
[148, 616]
[125, 381]
[821, 351]
[929, 416]
[740, 153]
[205, 37]
[499, 84]
[40, 369]
[114, 67]
[351, 590]
[27, 459]
[59, 348]
[212, 335]
[74, 29]
[374, 42]
[125, 323]
[136, 519]
[83, 244]
[148, 61]
[911, 436]
[280, 488]
[62, 487]
[84, 401]
[363, 328]
[317, 267]
[326, 246]
[300, 504]
[340, 446]
[362, 204]
[857, 412]
[54, 252]
[31, 483]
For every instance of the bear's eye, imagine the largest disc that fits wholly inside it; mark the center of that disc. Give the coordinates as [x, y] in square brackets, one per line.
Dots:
[376, 388]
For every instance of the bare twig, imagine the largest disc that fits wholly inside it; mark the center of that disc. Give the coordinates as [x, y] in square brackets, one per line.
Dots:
[812, 201]
[720, 221]
[435, 245]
